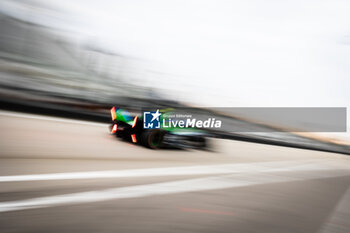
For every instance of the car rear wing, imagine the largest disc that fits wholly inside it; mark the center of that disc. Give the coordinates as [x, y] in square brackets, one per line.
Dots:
[118, 114]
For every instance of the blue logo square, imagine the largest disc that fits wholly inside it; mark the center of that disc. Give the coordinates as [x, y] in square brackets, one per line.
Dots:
[151, 120]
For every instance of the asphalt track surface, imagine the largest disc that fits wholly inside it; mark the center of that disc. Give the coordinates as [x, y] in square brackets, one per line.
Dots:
[59, 175]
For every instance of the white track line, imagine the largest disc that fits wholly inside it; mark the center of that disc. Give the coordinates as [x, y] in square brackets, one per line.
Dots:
[192, 185]
[47, 118]
[179, 171]
[338, 221]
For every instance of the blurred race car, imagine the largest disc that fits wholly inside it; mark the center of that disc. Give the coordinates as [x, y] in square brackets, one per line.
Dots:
[130, 128]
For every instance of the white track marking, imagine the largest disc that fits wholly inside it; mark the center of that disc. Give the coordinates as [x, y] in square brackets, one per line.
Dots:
[192, 185]
[338, 221]
[47, 118]
[181, 171]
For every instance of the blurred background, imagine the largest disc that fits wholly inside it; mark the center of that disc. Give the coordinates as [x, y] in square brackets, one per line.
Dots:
[85, 56]
[64, 64]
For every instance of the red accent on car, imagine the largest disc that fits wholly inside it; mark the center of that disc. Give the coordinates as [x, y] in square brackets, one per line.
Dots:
[134, 123]
[113, 113]
[114, 128]
[133, 138]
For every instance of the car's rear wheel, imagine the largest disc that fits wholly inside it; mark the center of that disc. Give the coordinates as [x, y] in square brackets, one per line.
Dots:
[152, 138]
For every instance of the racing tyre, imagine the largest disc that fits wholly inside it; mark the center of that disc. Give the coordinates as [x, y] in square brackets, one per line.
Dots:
[152, 138]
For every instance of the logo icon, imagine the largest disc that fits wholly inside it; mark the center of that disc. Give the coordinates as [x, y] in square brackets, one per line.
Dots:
[151, 120]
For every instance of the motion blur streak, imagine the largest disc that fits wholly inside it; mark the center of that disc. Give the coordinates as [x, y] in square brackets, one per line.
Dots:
[77, 59]
[205, 211]
[192, 185]
[339, 218]
[44, 118]
[305, 165]
[59, 164]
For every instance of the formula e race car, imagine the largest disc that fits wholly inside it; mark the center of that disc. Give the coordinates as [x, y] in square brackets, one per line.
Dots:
[131, 128]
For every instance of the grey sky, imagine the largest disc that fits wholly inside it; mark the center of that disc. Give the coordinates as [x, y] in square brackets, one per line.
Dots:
[265, 53]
